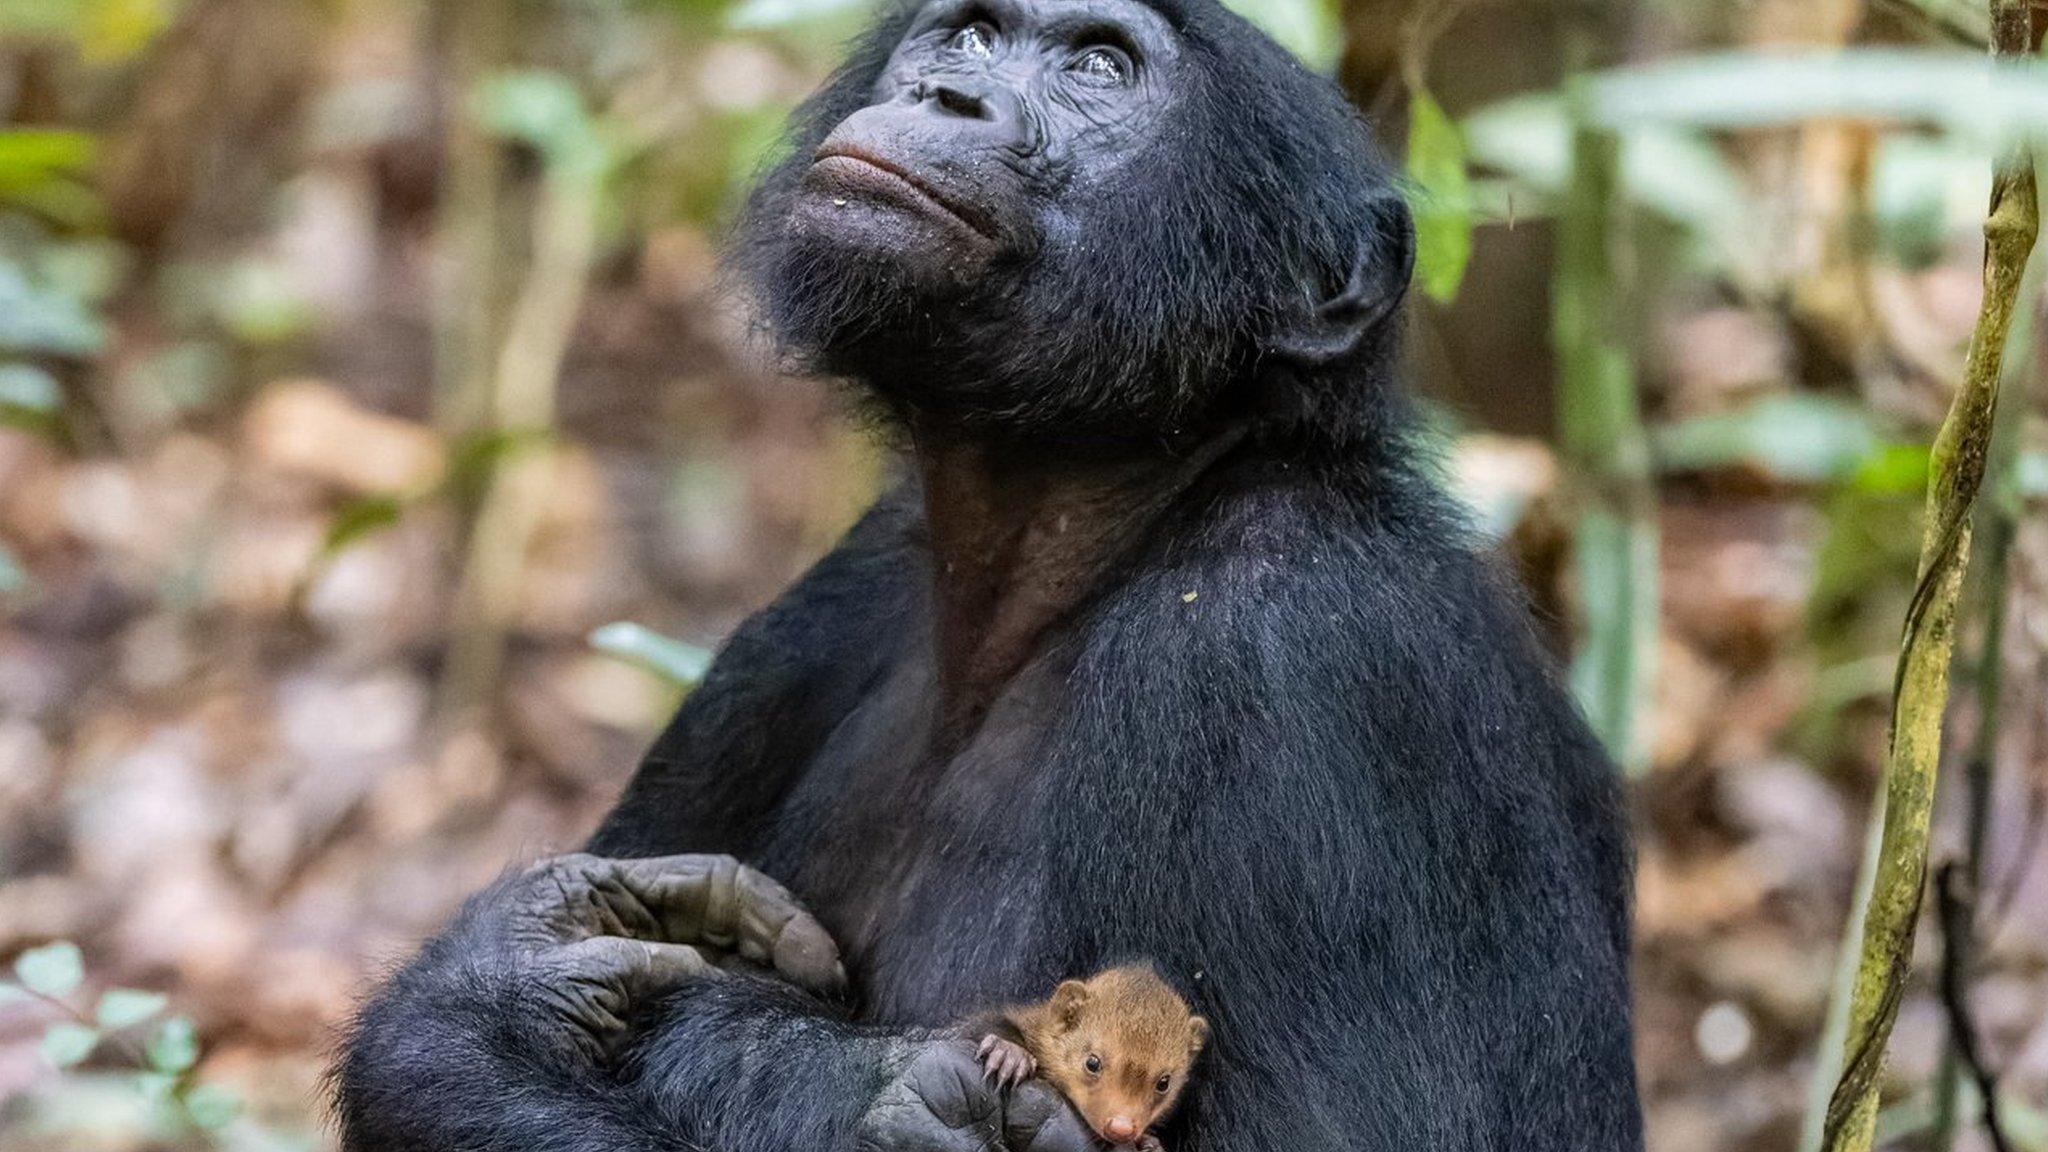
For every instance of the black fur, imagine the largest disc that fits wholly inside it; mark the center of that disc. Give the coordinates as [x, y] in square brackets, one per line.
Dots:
[1337, 795]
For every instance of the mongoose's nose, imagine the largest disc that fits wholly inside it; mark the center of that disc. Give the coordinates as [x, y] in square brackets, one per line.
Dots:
[1120, 1129]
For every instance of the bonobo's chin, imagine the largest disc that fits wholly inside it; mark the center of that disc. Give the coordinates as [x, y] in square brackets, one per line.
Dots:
[867, 215]
[860, 291]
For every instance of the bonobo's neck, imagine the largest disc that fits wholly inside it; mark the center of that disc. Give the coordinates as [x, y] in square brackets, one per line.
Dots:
[1021, 536]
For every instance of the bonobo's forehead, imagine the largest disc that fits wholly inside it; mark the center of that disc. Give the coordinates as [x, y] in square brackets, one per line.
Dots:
[1147, 20]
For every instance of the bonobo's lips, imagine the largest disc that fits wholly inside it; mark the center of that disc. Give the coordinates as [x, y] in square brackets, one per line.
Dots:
[861, 172]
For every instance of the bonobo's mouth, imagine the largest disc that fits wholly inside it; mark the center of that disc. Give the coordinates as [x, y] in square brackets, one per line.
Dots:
[855, 170]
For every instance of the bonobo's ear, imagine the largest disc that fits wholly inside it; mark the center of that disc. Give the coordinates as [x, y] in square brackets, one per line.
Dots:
[1067, 1001]
[1381, 269]
[1198, 1034]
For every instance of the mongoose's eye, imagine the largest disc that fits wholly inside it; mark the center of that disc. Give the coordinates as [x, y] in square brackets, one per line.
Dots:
[1093, 1064]
[1164, 1083]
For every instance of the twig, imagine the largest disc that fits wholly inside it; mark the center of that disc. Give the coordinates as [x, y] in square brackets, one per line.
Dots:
[523, 400]
[472, 217]
[1920, 692]
[1998, 518]
[1601, 432]
[2035, 818]
[1957, 904]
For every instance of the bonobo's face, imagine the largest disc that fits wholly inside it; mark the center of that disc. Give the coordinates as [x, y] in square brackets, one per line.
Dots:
[990, 116]
[1115, 222]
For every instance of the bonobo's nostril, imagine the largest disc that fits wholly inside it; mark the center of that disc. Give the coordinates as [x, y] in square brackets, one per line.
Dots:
[960, 103]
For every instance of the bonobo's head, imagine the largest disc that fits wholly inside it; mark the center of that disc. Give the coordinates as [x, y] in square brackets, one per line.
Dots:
[1087, 218]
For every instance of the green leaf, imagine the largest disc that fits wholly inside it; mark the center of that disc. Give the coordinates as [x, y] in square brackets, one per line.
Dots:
[31, 400]
[67, 1045]
[681, 664]
[13, 578]
[211, 1107]
[358, 520]
[126, 1007]
[1956, 90]
[478, 456]
[1442, 200]
[1311, 29]
[1893, 470]
[1796, 437]
[2031, 475]
[174, 1047]
[156, 1087]
[53, 970]
[35, 319]
[28, 389]
[545, 111]
[1671, 171]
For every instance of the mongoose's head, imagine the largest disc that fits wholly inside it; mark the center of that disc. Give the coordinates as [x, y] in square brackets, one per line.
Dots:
[1120, 1048]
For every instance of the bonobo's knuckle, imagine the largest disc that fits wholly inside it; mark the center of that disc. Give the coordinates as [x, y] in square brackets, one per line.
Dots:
[937, 1104]
[1039, 1119]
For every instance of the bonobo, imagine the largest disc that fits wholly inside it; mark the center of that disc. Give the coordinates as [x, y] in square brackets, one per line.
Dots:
[1165, 646]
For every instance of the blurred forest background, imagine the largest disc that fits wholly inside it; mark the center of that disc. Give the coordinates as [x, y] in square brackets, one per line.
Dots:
[378, 461]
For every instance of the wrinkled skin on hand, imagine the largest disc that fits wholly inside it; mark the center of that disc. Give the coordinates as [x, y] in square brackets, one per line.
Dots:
[944, 1102]
[598, 937]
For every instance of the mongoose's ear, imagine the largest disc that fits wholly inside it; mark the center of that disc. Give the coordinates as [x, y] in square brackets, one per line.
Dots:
[1068, 1000]
[1198, 1033]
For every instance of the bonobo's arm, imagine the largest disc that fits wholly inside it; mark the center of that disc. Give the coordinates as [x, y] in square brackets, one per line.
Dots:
[536, 1022]
[781, 683]
[525, 1028]
[503, 1033]
[750, 1066]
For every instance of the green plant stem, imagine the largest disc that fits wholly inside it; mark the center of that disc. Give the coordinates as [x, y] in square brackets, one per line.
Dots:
[1604, 442]
[1920, 692]
[472, 221]
[523, 400]
[1998, 521]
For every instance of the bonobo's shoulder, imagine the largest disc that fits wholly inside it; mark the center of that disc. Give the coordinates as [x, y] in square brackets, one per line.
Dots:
[1275, 538]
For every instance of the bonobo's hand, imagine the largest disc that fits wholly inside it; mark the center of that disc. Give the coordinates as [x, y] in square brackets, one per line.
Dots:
[593, 938]
[943, 1102]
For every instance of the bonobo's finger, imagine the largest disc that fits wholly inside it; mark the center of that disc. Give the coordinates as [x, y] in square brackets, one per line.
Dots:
[717, 901]
[641, 968]
[938, 1103]
[1039, 1119]
[595, 984]
[707, 900]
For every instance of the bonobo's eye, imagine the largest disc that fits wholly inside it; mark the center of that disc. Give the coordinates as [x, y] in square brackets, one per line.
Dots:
[977, 40]
[1103, 65]
[1164, 1083]
[1093, 1064]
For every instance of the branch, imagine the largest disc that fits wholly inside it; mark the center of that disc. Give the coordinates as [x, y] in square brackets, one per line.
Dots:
[1957, 903]
[1920, 688]
[1600, 424]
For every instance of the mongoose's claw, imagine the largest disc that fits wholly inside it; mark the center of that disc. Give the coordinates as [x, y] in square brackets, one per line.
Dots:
[1005, 1063]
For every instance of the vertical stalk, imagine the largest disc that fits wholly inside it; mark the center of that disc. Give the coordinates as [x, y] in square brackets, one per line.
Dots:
[522, 394]
[471, 299]
[1998, 521]
[1602, 436]
[1920, 691]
